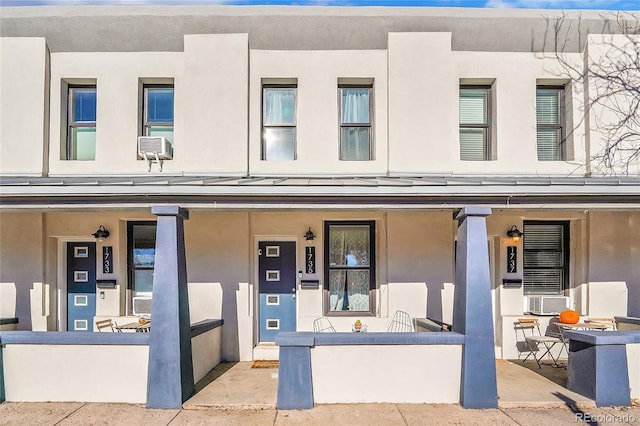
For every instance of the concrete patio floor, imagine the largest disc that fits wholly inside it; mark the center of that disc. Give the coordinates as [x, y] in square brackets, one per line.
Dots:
[236, 394]
[237, 385]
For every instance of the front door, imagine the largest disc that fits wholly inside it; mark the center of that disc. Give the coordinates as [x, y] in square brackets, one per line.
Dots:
[81, 286]
[277, 289]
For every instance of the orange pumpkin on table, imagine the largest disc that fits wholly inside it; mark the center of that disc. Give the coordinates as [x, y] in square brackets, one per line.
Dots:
[569, 316]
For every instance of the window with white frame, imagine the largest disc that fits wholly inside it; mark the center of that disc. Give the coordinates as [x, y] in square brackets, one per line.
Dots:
[546, 257]
[158, 111]
[355, 123]
[350, 267]
[475, 123]
[550, 123]
[279, 122]
[81, 123]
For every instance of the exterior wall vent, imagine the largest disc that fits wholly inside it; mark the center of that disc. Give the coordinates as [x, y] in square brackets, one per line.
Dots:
[548, 305]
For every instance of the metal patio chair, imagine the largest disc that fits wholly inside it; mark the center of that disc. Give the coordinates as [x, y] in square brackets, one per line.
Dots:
[323, 325]
[536, 342]
[401, 323]
[107, 323]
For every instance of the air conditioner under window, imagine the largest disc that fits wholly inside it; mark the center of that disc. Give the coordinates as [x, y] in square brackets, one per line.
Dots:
[150, 146]
[142, 306]
[548, 305]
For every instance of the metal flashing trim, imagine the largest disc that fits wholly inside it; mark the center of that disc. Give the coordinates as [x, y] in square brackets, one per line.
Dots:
[203, 326]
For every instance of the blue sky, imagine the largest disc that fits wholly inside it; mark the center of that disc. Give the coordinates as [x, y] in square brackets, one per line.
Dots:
[528, 4]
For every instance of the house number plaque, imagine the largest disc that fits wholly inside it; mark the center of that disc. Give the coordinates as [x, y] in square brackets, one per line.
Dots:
[310, 260]
[107, 260]
[512, 259]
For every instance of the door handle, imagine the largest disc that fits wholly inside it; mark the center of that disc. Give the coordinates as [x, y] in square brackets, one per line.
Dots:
[293, 290]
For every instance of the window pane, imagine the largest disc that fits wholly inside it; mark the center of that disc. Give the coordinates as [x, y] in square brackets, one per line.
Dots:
[473, 106]
[166, 131]
[84, 104]
[349, 245]
[473, 144]
[547, 106]
[544, 258]
[354, 143]
[279, 106]
[349, 290]
[159, 105]
[83, 143]
[279, 143]
[143, 281]
[549, 144]
[355, 105]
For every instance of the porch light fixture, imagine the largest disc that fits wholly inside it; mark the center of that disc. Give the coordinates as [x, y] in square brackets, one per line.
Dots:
[515, 234]
[309, 236]
[101, 234]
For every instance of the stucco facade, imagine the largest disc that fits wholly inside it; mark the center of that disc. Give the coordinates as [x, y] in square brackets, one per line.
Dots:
[218, 61]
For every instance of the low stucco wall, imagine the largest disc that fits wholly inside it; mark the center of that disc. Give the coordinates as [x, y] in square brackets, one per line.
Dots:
[206, 351]
[393, 373]
[58, 367]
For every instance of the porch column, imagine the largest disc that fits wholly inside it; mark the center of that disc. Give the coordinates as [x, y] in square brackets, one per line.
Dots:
[170, 376]
[472, 314]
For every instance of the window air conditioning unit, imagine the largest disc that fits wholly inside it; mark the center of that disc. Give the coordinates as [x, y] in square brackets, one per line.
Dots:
[142, 306]
[155, 146]
[548, 305]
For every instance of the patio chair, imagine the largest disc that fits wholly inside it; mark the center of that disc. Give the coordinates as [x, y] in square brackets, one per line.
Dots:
[536, 342]
[102, 324]
[323, 325]
[608, 322]
[401, 323]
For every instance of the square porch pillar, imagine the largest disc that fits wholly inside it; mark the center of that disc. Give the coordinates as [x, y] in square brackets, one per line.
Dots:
[472, 315]
[170, 375]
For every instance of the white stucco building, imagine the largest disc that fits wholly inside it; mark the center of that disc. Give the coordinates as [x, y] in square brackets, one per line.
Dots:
[368, 127]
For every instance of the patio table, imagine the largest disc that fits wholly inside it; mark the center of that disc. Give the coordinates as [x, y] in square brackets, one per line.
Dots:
[139, 328]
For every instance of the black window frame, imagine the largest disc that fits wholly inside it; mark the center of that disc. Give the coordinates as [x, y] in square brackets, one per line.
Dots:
[566, 252]
[371, 268]
[131, 268]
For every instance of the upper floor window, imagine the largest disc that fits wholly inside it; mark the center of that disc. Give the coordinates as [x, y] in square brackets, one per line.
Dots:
[158, 111]
[81, 123]
[350, 266]
[550, 123]
[475, 123]
[279, 122]
[355, 123]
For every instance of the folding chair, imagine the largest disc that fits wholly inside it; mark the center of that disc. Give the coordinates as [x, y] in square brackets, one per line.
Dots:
[323, 325]
[538, 342]
[605, 322]
[105, 324]
[401, 323]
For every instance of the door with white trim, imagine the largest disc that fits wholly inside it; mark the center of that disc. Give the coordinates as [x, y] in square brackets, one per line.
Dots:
[81, 285]
[276, 288]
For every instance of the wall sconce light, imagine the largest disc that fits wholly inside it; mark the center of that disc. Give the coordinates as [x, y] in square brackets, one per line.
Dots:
[309, 236]
[101, 234]
[515, 234]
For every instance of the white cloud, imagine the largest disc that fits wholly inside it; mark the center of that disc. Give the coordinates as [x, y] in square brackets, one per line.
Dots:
[563, 4]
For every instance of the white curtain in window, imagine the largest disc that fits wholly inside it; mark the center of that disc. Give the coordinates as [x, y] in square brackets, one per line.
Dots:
[349, 289]
[279, 106]
[355, 106]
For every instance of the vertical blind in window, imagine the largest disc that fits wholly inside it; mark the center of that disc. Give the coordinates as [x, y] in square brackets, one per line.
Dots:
[355, 124]
[549, 125]
[474, 124]
[279, 121]
[545, 258]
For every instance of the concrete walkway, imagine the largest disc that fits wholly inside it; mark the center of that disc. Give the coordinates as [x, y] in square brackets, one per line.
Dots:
[236, 394]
